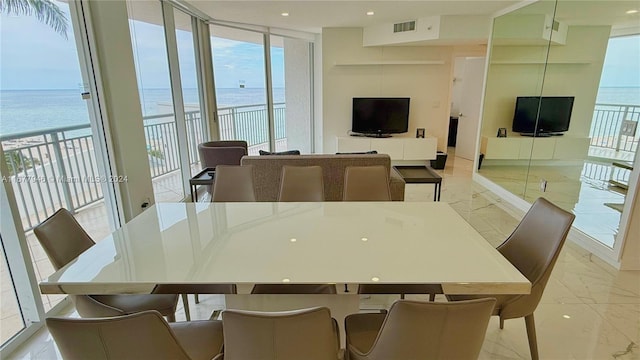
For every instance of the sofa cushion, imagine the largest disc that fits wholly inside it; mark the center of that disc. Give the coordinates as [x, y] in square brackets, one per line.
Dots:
[268, 171]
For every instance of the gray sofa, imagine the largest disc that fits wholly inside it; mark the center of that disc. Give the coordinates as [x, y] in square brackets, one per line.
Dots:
[268, 169]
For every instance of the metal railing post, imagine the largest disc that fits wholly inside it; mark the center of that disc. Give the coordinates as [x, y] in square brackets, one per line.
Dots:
[57, 150]
[624, 117]
[233, 123]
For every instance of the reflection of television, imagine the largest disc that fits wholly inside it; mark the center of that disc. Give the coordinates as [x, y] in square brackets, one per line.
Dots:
[554, 115]
[380, 116]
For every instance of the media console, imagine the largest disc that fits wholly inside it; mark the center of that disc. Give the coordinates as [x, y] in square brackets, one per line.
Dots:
[538, 148]
[398, 148]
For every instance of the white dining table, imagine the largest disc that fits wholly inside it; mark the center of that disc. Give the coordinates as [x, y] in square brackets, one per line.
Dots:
[342, 243]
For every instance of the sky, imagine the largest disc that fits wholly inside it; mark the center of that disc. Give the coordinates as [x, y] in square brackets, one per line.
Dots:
[32, 56]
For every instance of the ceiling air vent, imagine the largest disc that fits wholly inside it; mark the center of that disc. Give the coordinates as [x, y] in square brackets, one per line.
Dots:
[404, 26]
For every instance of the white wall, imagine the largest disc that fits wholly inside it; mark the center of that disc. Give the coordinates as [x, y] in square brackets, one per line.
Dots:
[297, 95]
[428, 86]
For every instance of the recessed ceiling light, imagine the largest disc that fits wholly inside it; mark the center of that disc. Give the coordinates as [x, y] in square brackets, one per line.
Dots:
[293, 240]
[566, 316]
[364, 239]
[632, 11]
[370, 13]
[286, 280]
[285, 14]
[375, 279]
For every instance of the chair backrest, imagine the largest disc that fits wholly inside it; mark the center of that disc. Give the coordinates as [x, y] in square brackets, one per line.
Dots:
[62, 238]
[301, 183]
[430, 330]
[214, 153]
[233, 184]
[143, 335]
[309, 334]
[366, 183]
[533, 249]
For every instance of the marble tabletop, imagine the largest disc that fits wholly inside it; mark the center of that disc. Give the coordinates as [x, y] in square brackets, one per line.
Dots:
[329, 242]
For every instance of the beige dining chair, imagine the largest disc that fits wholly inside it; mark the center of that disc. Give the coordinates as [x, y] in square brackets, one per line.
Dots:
[233, 184]
[533, 249]
[420, 330]
[144, 335]
[309, 334]
[301, 183]
[63, 240]
[366, 183]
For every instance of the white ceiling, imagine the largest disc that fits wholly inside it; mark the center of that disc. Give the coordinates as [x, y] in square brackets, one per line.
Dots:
[312, 16]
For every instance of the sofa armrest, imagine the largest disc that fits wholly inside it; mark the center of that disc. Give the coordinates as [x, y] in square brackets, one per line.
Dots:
[396, 185]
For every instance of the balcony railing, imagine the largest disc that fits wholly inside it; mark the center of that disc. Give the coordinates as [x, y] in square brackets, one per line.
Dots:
[615, 127]
[56, 167]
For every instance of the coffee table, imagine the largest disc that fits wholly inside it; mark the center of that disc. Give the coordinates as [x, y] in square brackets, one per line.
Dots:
[421, 174]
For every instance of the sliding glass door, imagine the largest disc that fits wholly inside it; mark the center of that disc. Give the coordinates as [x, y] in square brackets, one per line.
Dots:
[241, 92]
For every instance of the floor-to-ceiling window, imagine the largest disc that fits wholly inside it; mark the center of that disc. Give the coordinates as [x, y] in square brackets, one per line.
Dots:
[154, 87]
[271, 113]
[241, 92]
[166, 66]
[196, 125]
[54, 149]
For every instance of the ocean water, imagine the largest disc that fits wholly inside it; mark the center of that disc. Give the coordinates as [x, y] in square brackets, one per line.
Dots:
[30, 110]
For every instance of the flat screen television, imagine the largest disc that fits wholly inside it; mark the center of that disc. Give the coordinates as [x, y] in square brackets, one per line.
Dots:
[380, 116]
[555, 114]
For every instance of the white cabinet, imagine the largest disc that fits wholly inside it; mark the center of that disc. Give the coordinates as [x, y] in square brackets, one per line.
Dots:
[524, 148]
[396, 148]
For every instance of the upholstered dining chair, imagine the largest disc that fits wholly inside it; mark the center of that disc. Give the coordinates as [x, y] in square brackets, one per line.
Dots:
[228, 152]
[233, 184]
[533, 249]
[63, 239]
[143, 335]
[309, 334]
[301, 183]
[420, 330]
[366, 183]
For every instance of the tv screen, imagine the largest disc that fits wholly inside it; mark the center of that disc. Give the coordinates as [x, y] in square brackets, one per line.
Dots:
[555, 114]
[380, 116]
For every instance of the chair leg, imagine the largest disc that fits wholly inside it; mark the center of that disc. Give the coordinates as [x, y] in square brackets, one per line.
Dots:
[197, 298]
[185, 303]
[531, 334]
[501, 323]
[432, 297]
[215, 314]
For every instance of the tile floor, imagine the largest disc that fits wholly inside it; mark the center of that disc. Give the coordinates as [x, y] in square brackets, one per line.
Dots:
[589, 309]
[581, 189]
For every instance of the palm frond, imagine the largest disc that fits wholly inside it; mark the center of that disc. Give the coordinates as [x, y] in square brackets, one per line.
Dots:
[44, 10]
